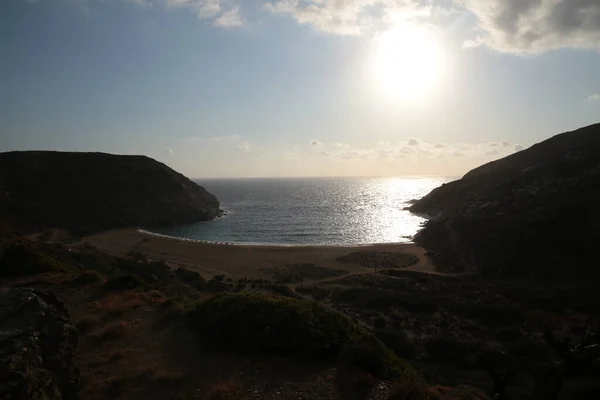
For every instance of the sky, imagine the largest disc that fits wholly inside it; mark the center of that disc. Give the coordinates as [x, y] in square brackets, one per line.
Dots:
[257, 88]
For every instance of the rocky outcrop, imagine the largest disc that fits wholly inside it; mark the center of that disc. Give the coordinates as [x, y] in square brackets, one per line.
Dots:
[88, 192]
[37, 347]
[533, 214]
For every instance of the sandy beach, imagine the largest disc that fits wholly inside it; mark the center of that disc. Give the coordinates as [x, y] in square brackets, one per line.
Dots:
[241, 261]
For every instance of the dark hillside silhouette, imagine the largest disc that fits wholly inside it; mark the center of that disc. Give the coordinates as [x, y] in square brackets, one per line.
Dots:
[88, 192]
[532, 214]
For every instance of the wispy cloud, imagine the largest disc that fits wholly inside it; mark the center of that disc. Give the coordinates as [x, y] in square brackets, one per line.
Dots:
[169, 152]
[514, 26]
[519, 26]
[244, 145]
[230, 19]
[316, 142]
[593, 97]
[419, 149]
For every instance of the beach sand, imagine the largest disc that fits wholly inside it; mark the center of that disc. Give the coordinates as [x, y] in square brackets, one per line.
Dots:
[241, 261]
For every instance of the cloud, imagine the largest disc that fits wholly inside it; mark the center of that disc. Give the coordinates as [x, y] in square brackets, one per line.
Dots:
[518, 147]
[439, 145]
[325, 153]
[169, 152]
[533, 26]
[593, 97]
[222, 13]
[225, 138]
[351, 17]
[230, 19]
[504, 143]
[413, 142]
[515, 26]
[316, 143]
[244, 145]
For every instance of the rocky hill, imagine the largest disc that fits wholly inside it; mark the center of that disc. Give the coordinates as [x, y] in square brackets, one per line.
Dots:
[88, 192]
[533, 214]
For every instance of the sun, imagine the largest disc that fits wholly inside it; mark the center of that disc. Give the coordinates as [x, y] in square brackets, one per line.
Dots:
[407, 62]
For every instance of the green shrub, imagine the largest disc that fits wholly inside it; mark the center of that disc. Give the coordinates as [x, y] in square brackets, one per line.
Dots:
[509, 334]
[123, 282]
[216, 284]
[446, 350]
[258, 322]
[87, 278]
[397, 342]
[379, 322]
[189, 276]
[503, 315]
[148, 271]
[26, 259]
[282, 290]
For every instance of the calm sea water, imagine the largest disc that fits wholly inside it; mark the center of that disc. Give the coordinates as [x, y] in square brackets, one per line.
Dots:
[340, 211]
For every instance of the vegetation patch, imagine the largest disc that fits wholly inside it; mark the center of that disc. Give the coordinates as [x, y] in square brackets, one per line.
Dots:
[260, 323]
[301, 271]
[379, 259]
[149, 271]
[26, 259]
[189, 276]
[87, 278]
[123, 282]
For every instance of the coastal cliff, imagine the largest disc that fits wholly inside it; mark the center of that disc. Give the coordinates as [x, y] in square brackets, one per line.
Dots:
[90, 192]
[533, 214]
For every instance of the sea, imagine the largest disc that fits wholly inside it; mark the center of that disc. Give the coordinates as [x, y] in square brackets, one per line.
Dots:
[311, 211]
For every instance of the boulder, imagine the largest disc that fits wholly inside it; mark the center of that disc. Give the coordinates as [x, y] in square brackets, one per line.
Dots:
[37, 347]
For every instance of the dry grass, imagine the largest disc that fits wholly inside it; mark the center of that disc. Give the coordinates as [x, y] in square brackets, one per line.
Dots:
[88, 278]
[86, 324]
[113, 331]
[166, 379]
[412, 391]
[115, 306]
[223, 390]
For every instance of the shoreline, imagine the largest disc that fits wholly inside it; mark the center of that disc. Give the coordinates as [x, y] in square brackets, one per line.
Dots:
[268, 245]
[241, 260]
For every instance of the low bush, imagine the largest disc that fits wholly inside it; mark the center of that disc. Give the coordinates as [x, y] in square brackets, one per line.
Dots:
[379, 322]
[112, 332]
[447, 350]
[282, 290]
[26, 259]
[123, 282]
[398, 343]
[509, 334]
[258, 322]
[190, 276]
[496, 315]
[87, 278]
[147, 270]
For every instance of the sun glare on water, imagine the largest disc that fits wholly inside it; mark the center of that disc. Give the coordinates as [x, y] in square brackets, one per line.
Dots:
[407, 62]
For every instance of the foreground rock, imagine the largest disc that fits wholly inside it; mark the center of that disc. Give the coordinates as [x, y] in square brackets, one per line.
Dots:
[532, 214]
[89, 192]
[37, 347]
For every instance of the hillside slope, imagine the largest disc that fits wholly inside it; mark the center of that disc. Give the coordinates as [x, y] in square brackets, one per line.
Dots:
[88, 192]
[532, 214]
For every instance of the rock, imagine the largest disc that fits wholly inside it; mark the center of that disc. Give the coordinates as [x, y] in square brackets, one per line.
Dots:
[89, 192]
[37, 347]
[533, 214]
